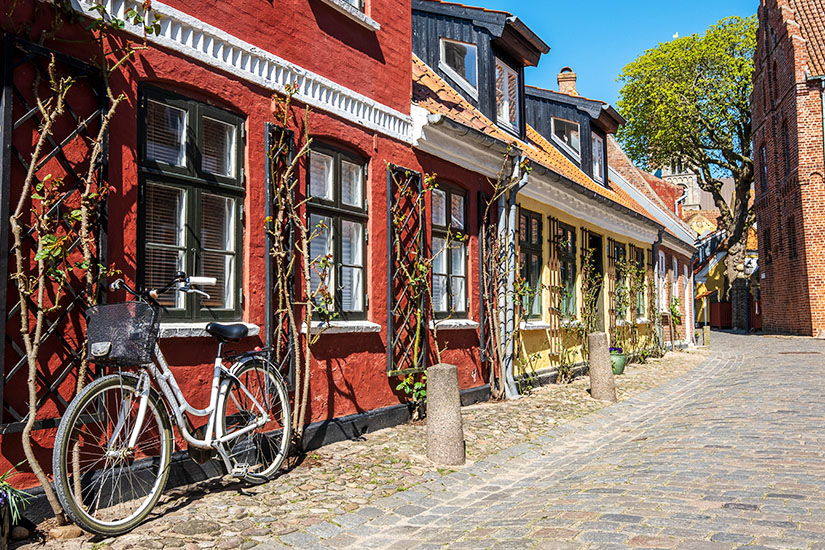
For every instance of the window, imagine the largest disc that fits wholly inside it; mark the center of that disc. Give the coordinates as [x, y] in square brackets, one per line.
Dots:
[786, 149]
[792, 238]
[640, 296]
[191, 196]
[338, 214]
[675, 279]
[459, 61]
[763, 161]
[567, 267]
[567, 133]
[449, 262]
[507, 96]
[663, 305]
[598, 158]
[530, 263]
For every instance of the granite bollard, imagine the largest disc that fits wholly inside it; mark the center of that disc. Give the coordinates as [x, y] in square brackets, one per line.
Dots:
[602, 383]
[445, 433]
[706, 336]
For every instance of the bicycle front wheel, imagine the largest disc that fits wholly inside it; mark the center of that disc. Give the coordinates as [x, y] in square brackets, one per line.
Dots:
[105, 485]
[257, 388]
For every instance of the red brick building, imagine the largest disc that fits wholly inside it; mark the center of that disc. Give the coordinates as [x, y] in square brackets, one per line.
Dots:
[787, 107]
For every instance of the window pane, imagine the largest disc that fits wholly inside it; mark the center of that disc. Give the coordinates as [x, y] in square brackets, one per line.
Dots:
[440, 293]
[522, 227]
[218, 234]
[439, 256]
[439, 208]
[352, 294]
[161, 266]
[461, 58]
[501, 93]
[512, 97]
[598, 158]
[217, 222]
[357, 4]
[458, 291]
[457, 212]
[165, 133]
[459, 255]
[535, 284]
[164, 215]
[351, 243]
[351, 184]
[568, 132]
[218, 147]
[535, 234]
[222, 268]
[320, 246]
[320, 175]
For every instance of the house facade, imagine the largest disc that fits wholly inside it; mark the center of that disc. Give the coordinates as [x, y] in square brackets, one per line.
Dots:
[787, 106]
[405, 93]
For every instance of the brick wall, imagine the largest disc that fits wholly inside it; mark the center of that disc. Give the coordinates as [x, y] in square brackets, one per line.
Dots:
[790, 202]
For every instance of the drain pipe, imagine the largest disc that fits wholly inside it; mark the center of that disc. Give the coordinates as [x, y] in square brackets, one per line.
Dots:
[681, 200]
[657, 322]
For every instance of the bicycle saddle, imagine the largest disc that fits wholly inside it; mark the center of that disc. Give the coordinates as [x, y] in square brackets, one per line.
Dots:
[227, 333]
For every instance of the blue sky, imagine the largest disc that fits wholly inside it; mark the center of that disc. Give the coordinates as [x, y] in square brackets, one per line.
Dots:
[597, 38]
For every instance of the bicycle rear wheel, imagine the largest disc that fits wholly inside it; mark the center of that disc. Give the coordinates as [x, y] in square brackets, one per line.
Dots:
[104, 485]
[258, 454]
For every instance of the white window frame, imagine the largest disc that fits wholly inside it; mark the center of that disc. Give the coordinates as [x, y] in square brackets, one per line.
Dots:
[597, 139]
[507, 70]
[576, 154]
[460, 80]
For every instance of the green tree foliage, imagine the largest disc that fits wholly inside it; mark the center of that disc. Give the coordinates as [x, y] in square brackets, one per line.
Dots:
[689, 99]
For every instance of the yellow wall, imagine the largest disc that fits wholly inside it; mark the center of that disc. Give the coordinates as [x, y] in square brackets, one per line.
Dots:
[536, 348]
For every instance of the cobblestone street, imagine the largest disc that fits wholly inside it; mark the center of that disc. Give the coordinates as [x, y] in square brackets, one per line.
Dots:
[725, 455]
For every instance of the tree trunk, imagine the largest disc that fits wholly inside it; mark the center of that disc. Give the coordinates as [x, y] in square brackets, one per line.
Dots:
[737, 283]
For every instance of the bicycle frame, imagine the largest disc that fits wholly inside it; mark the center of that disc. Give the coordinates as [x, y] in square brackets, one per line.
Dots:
[168, 385]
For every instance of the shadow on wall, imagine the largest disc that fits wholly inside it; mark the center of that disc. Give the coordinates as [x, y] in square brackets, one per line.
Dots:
[355, 36]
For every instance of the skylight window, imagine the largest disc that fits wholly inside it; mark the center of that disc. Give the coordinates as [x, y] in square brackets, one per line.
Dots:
[460, 61]
[567, 133]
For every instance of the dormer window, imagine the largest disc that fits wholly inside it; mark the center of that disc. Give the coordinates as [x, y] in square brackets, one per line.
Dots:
[598, 158]
[460, 61]
[567, 133]
[506, 96]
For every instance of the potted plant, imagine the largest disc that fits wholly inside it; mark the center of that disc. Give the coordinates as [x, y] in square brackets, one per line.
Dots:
[12, 501]
[618, 359]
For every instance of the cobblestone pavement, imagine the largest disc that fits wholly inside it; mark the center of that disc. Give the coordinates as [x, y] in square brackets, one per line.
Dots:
[548, 471]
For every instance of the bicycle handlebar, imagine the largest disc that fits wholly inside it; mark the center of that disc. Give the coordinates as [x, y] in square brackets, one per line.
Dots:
[181, 282]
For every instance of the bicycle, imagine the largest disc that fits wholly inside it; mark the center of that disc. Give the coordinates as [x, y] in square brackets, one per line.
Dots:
[115, 441]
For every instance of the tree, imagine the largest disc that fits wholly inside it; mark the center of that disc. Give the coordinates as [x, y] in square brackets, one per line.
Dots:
[689, 99]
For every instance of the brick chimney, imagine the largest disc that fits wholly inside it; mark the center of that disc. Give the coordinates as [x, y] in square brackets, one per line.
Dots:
[567, 81]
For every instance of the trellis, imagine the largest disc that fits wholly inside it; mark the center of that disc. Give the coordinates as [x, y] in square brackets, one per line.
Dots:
[407, 319]
[278, 335]
[25, 65]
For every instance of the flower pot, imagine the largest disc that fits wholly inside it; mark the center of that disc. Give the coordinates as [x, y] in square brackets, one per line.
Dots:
[619, 360]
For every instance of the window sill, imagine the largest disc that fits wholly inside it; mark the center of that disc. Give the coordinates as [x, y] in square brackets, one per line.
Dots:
[353, 13]
[534, 325]
[196, 330]
[342, 327]
[454, 324]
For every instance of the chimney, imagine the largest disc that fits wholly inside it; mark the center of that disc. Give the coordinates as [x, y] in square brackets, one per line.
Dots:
[567, 81]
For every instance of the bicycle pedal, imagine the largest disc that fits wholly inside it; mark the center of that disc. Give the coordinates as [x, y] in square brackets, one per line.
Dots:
[239, 470]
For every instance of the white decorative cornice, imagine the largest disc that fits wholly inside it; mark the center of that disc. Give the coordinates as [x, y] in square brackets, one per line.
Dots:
[196, 39]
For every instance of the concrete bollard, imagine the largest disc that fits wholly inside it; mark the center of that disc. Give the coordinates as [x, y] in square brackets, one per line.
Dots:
[706, 336]
[445, 433]
[602, 383]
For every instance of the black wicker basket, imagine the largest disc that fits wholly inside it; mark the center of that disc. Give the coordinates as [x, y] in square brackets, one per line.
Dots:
[122, 335]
